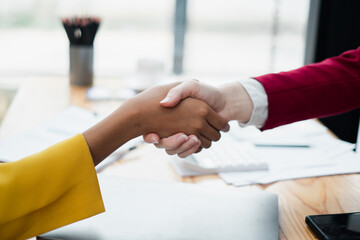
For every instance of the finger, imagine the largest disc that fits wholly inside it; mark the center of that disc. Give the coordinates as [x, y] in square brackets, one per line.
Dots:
[216, 120]
[226, 129]
[151, 138]
[205, 143]
[181, 91]
[209, 132]
[189, 144]
[190, 151]
[172, 142]
[198, 150]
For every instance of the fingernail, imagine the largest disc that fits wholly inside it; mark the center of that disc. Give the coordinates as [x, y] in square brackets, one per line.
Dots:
[195, 139]
[166, 99]
[154, 141]
[182, 138]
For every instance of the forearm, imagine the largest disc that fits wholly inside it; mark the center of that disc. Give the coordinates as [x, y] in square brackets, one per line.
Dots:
[112, 132]
[317, 90]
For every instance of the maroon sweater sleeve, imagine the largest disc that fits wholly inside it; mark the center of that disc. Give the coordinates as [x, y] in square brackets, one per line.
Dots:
[316, 90]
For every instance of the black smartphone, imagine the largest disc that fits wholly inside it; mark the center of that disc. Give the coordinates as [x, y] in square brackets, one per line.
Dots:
[343, 226]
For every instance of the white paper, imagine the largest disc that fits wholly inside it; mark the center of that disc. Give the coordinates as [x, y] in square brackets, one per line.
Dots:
[346, 163]
[325, 156]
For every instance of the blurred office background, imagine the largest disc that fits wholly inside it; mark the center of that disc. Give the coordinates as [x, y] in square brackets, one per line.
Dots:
[223, 40]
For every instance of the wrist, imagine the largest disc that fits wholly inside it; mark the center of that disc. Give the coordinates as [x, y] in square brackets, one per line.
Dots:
[130, 117]
[238, 103]
[112, 132]
[258, 97]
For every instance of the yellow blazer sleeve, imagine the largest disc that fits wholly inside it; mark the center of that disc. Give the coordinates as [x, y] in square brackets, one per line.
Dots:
[47, 190]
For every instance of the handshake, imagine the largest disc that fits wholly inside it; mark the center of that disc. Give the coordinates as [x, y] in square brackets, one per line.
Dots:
[181, 117]
[206, 111]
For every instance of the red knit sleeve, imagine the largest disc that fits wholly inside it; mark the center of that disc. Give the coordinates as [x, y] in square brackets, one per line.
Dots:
[316, 90]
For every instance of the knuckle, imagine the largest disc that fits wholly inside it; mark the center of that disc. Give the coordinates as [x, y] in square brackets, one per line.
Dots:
[193, 84]
[203, 111]
[202, 127]
[198, 126]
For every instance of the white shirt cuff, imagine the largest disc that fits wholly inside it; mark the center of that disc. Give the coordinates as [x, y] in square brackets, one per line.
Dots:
[259, 98]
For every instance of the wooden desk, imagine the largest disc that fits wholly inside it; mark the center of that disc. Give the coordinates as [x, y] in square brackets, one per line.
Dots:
[39, 98]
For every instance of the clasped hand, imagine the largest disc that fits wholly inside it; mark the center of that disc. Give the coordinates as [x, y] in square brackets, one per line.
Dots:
[230, 101]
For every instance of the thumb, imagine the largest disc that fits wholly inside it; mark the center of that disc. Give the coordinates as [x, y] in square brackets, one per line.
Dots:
[181, 91]
[151, 138]
[172, 98]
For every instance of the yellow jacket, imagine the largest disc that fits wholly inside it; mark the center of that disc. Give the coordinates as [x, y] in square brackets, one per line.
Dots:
[48, 190]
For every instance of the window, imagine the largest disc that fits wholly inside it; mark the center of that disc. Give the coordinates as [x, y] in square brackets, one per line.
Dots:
[33, 40]
[222, 38]
[245, 38]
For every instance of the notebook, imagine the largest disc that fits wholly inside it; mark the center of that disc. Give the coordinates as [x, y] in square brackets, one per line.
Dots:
[144, 210]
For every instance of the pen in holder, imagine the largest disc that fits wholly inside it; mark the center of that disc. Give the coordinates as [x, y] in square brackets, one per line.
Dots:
[81, 33]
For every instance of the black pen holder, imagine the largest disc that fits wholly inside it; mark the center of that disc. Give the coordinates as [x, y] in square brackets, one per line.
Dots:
[81, 65]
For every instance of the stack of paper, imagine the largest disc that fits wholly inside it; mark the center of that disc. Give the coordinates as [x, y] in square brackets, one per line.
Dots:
[325, 155]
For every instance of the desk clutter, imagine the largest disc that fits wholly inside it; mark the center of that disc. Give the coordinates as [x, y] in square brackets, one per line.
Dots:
[298, 150]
